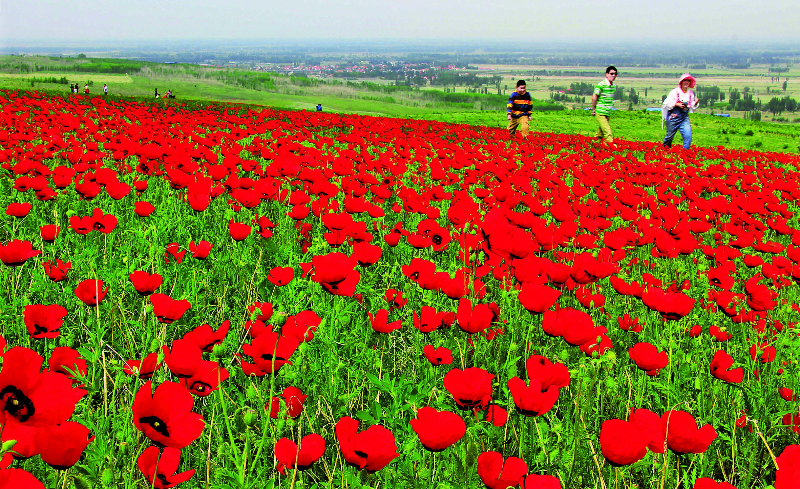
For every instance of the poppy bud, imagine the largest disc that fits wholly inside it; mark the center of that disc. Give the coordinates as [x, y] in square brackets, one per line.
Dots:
[218, 351]
[250, 418]
[279, 319]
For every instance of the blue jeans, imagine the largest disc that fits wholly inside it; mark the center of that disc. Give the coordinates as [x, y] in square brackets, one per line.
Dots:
[680, 122]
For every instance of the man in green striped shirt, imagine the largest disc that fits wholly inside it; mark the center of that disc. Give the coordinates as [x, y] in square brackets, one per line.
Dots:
[603, 102]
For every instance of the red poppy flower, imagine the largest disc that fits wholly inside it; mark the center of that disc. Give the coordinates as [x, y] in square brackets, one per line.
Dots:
[206, 338]
[626, 323]
[17, 252]
[44, 321]
[576, 327]
[165, 416]
[546, 372]
[183, 358]
[143, 368]
[301, 326]
[270, 351]
[205, 378]
[293, 398]
[498, 474]
[91, 292]
[671, 305]
[105, 223]
[167, 309]
[367, 254]
[706, 483]
[622, 443]
[438, 430]
[238, 230]
[160, 471]
[261, 311]
[64, 360]
[473, 320]
[430, 319]
[172, 251]
[787, 394]
[538, 298]
[49, 232]
[380, 322]
[721, 368]
[647, 357]
[145, 283]
[336, 273]
[14, 478]
[17, 209]
[788, 471]
[496, 415]
[32, 397]
[280, 276]
[290, 456]
[470, 388]
[201, 250]
[63, 444]
[81, 225]
[532, 400]
[534, 481]
[143, 208]
[56, 271]
[683, 435]
[371, 449]
[438, 356]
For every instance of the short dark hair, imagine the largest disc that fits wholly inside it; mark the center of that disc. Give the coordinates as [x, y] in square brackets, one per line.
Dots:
[612, 67]
[521, 82]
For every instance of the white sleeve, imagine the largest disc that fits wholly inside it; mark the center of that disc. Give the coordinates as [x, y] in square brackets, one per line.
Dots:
[671, 100]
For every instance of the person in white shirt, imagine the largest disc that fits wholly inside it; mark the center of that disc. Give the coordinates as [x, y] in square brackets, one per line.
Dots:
[676, 108]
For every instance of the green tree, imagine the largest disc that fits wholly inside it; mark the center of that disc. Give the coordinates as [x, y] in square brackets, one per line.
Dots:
[785, 82]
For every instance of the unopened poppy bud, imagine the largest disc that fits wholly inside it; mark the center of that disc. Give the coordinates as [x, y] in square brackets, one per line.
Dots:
[7, 446]
[279, 319]
[250, 418]
[251, 392]
[218, 351]
[564, 355]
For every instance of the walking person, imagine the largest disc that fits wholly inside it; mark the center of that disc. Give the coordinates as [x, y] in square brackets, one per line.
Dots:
[105, 89]
[71, 88]
[156, 93]
[676, 108]
[519, 110]
[603, 103]
[86, 89]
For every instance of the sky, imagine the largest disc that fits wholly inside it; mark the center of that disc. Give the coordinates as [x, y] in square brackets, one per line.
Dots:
[739, 21]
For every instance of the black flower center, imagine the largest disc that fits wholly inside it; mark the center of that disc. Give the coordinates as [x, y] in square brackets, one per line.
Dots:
[200, 387]
[17, 404]
[156, 423]
[437, 240]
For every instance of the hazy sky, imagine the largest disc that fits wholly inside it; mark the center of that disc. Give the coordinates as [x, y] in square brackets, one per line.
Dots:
[93, 20]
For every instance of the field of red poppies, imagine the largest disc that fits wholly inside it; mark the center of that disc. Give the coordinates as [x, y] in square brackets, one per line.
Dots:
[219, 296]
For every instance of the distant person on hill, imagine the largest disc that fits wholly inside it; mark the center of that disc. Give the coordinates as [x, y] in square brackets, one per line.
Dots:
[603, 103]
[319, 107]
[105, 89]
[519, 110]
[156, 93]
[676, 108]
[71, 88]
[86, 89]
[169, 94]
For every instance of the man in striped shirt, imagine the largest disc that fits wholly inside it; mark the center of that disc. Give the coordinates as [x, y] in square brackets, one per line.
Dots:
[519, 110]
[603, 102]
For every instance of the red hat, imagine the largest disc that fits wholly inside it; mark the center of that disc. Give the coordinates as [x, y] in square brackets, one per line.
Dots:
[687, 76]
